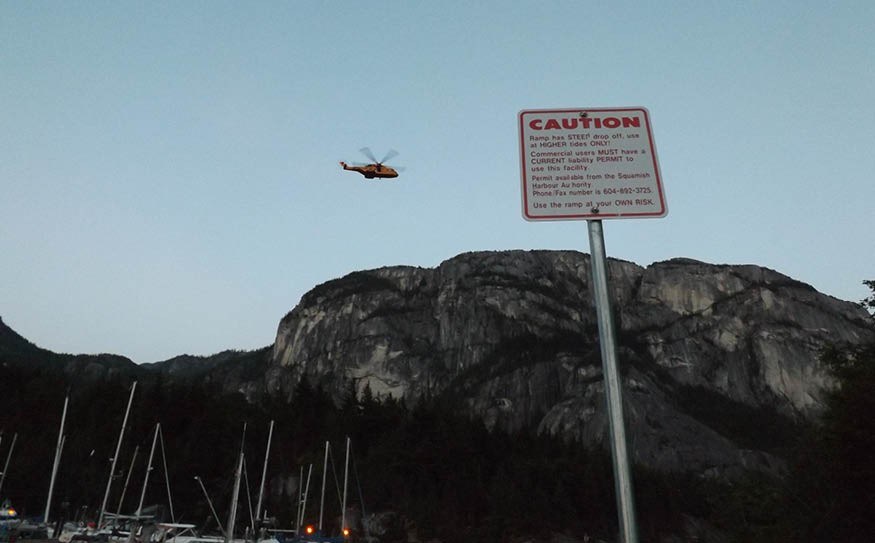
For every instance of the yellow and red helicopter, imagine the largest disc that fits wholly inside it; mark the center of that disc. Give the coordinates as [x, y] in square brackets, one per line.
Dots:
[377, 168]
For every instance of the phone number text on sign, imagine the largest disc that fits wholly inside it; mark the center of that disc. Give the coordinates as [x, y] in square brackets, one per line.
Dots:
[589, 163]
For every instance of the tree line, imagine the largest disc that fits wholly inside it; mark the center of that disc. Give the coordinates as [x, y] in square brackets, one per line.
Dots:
[441, 472]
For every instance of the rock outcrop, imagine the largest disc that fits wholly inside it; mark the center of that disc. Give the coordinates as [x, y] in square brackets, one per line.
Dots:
[717, 360]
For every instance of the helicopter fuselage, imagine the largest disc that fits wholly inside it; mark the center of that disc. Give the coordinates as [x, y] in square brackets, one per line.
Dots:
[371, 171]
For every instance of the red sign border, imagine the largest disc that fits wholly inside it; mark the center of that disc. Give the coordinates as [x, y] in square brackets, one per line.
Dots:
[591, 216]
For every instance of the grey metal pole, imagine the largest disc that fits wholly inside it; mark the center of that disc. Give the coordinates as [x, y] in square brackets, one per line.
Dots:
[238, 474]
[118, 449]
[613, 389]
[263, 473]
[148, 471]
[210, 502]
[303, 505]
[345, 480]
[167, 479]
[324, 475]
[298, 508]
[8, 457]
[57, 460]
[127, 481]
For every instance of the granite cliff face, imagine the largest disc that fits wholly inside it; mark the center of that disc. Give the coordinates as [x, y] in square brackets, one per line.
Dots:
[717, 360]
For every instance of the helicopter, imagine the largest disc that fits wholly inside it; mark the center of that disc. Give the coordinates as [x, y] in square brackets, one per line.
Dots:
[375, 169]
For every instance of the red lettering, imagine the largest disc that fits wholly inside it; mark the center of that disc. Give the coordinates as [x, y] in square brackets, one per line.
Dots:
[570, 123]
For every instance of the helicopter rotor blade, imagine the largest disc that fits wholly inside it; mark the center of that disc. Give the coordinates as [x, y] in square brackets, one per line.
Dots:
[367, 152]
[391, 153]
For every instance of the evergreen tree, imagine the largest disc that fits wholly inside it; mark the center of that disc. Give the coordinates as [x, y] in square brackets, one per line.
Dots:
[833, 486]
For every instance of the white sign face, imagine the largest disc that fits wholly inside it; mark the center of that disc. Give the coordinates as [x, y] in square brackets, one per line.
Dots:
[589, 163]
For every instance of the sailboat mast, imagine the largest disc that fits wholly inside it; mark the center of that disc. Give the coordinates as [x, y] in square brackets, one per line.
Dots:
[6, 465]
[232, 516]
[210, 502]
[300, 495]
[118, 449]
[127, 481]
[263, 473]
[57, 460]
[167, 478]
[148, 470]
[324, 474]
[248, 496]
[345, 479]
[302, 504]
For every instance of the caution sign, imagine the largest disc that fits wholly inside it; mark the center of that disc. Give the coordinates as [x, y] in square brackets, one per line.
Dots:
[589, 163]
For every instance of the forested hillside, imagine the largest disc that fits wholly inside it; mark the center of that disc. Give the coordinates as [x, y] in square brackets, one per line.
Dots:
[424, 465]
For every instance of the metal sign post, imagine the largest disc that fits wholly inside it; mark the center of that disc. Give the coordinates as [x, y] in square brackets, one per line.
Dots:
[613, 390]
[593, 164]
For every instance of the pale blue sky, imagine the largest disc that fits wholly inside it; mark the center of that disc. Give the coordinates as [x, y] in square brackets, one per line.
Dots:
[168, 170]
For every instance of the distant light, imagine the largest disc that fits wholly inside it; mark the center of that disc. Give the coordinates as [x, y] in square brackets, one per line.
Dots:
[346, 532]
[309, 529]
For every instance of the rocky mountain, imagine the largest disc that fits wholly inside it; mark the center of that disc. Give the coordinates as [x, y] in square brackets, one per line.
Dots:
[719, 362]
